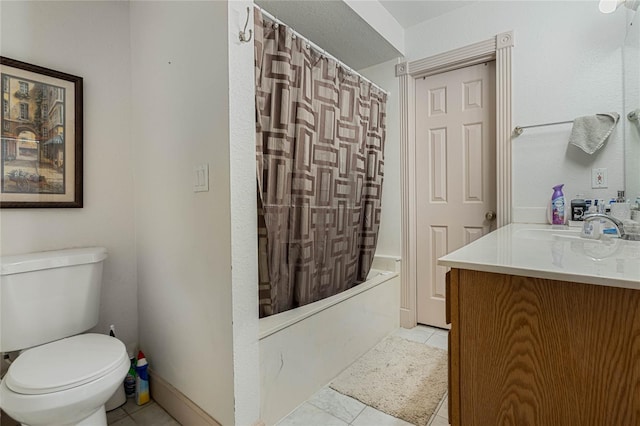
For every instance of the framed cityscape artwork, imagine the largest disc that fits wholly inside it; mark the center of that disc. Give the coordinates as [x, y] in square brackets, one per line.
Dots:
[41, 130]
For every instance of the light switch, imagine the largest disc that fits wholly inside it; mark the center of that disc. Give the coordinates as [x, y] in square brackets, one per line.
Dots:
[201, 178]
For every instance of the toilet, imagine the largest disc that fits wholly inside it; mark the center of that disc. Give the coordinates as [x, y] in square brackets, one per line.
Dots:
[61, 377]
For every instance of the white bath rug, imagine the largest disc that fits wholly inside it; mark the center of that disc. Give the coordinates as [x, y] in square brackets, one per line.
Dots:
[401, 378]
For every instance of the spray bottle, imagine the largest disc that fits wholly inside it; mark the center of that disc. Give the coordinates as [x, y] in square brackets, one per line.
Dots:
[557, 206]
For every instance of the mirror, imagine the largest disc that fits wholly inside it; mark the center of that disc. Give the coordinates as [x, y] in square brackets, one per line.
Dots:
[631, 90]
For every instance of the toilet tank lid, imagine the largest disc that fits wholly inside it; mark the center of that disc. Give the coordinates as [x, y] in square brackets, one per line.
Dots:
[20, 263]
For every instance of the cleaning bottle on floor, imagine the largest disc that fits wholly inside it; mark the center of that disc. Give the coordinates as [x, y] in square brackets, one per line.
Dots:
[130, 378]
[142, 380]
[119, 397]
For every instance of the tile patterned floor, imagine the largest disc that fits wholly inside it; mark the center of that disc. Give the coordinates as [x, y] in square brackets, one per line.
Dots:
[130, 414]
[326, 408]
[330, 408]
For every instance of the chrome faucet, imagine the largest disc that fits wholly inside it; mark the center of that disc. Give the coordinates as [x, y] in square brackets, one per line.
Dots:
[617, 223]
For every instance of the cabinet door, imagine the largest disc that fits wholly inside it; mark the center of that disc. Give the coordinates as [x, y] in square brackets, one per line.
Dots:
[543, 352]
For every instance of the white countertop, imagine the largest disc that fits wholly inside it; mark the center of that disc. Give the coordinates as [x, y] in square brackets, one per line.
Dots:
[545, 251]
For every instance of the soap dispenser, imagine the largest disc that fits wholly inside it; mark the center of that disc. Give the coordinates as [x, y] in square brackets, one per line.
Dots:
[578, 207]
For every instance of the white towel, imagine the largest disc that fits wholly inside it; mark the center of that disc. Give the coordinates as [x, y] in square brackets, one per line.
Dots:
[591, 132]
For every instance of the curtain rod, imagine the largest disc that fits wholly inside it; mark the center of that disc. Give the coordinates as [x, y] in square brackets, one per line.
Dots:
[319, 49]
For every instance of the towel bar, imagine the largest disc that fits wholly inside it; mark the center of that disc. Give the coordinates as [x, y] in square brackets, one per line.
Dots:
[519, 129]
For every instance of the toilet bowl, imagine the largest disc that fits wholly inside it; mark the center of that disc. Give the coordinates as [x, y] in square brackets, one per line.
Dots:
[61, 377]
[66, 382]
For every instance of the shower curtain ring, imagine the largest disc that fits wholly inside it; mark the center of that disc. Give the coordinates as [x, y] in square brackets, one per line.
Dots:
[243, 33]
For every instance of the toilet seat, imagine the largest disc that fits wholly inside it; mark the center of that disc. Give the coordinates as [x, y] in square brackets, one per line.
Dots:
[67, 407]
[65, 364]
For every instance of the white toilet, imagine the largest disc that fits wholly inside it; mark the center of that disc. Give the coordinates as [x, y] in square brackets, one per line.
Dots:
[61, 377]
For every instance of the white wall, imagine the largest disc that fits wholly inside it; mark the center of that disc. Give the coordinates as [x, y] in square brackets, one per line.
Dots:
[244, 238]
[566, 63]
[91, 40]
[389, 237]
[632, 102]
[180, 99]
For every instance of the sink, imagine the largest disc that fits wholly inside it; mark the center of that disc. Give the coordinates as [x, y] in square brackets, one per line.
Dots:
[547, 234]
[568, 240]
[593, 249]
[599, 249]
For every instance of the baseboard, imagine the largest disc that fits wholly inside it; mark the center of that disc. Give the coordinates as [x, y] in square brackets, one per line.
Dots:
[174, 402]
[407, 318]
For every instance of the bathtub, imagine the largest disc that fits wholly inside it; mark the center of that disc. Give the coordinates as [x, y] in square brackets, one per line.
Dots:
[303, 349]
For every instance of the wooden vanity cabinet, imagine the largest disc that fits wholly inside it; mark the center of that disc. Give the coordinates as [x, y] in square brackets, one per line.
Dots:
[530, 351]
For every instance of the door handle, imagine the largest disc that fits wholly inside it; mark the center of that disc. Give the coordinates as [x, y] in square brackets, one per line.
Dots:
[490, 215]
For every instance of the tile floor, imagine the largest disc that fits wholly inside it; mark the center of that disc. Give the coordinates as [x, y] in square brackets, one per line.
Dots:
[326, 408]
[130, 414]
[330, 408]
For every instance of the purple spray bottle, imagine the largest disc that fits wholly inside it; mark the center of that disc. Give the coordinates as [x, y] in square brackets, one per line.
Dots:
[557, 206]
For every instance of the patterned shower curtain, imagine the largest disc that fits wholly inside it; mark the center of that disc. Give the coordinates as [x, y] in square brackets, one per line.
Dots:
[320, 134]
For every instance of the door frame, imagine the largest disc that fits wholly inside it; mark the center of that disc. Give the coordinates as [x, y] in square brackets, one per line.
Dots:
[497, 48]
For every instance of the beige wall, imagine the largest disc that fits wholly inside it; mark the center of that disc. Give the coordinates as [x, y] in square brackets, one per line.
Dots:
[389, 237]
[157, 86]
[244, 239]
[180, 118]
[631, 56]
[91, 40]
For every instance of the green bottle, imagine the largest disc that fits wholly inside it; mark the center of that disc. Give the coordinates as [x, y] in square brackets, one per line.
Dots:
[130, 379]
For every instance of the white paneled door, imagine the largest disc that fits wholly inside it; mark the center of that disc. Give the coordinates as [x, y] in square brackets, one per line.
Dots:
[455, 174]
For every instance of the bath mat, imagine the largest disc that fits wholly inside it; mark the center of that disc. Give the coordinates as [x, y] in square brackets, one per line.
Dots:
[404, 379]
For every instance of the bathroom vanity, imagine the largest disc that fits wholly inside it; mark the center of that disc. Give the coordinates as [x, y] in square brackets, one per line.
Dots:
[545, 329]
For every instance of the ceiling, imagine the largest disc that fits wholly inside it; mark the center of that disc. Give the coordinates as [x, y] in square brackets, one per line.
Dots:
[411, 12]
[336, 27]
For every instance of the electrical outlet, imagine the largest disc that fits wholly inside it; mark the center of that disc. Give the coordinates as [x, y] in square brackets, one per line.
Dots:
[599, 178]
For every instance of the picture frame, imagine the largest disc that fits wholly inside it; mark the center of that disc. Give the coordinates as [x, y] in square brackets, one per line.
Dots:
[42, 136]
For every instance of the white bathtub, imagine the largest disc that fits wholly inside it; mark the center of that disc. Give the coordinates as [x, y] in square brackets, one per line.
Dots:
[303, 349]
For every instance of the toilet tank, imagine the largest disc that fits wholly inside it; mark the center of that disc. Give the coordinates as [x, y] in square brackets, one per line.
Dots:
[49, 295]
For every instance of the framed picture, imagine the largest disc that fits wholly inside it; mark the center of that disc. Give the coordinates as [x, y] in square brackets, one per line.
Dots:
[41, 130]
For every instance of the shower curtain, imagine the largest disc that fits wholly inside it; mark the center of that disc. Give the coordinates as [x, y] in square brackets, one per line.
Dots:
[320, 134]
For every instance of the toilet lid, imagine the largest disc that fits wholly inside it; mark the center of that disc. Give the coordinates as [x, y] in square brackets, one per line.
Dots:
[65, 364]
